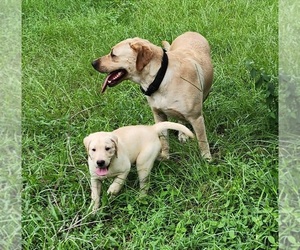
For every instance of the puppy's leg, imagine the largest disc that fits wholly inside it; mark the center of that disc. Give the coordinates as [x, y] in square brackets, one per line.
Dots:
[143, 173]
[117, 184]
[96, 189]
[161, 117]
[144, 165]
[199, 128]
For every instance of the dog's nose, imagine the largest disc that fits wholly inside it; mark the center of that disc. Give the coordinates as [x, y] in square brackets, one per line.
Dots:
[100, 163]
[95, 64]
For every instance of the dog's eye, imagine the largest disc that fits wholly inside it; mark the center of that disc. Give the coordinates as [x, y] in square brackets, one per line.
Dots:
[107, 148]
[93, 149]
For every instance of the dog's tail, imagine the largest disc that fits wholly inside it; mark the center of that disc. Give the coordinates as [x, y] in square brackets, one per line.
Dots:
[161, 126]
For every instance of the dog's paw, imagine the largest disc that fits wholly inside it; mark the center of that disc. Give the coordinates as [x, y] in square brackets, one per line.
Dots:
[182, 137]
[143, 198]
[94, 211]
[207, 156]
[163, 156]
[113, 189]
[94, 207]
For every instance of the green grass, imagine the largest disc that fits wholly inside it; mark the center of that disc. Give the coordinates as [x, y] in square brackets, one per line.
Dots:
[230, 203]
[10, 125]
[289, 198]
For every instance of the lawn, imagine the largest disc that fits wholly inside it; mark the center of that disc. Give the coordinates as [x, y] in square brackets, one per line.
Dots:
[230, 203]
[10, 125]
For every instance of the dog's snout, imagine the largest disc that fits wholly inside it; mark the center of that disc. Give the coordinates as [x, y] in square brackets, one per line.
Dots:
[100, 163]
[95, 64]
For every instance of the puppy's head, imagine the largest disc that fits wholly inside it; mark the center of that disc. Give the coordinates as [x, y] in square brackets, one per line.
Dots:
[101, 148]
[125, 61]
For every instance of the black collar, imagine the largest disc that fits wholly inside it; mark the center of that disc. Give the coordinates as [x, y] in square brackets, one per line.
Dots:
[159, 77]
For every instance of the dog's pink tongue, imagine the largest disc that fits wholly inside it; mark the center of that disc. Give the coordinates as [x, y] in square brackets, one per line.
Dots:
[101, 171]
[105, 84]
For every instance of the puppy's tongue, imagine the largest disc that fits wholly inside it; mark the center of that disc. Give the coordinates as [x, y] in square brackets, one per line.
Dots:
[101, 171]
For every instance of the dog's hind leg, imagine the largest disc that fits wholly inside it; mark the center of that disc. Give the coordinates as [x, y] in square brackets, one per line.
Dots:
[143, 173]
[144, 164]
[199, 128]
[182, 137]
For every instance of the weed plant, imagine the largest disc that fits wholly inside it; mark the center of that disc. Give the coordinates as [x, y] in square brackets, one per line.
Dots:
[230, 203]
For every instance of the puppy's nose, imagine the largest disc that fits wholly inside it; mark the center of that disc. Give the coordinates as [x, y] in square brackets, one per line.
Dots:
[100, 163]
[95, 64]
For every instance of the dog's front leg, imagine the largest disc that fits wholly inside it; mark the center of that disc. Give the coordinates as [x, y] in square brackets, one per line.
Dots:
[96, 189]
[199, 128]
[117, 184]
[161, 117]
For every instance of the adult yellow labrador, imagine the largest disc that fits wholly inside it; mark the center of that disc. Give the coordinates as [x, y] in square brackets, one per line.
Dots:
[176, 80]
[110, 154]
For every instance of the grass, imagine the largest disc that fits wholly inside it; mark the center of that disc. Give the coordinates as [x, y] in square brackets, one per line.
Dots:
[10, 125]
[289, 222]
[230, 203]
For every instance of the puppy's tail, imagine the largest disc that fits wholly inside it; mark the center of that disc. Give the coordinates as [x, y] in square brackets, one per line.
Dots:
[161, 126]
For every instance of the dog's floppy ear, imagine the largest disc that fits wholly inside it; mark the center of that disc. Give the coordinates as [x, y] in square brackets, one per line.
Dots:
[86, 142]
[144, 54]
[114, 139]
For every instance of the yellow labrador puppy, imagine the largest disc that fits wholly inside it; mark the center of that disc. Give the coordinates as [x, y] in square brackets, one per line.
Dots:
[175, 80]
[110, 154]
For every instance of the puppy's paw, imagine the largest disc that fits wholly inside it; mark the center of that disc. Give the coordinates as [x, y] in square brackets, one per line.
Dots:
[94, 207]
[94, 211]
[143, 198]
[164, 155]
[182, 137]
[113, 189]
[207, 156]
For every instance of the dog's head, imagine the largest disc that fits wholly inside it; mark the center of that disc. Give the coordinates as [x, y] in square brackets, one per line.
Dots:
[125, 61]
[101, 147]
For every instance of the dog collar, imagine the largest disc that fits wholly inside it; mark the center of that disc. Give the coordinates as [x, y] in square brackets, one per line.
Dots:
[159, 76]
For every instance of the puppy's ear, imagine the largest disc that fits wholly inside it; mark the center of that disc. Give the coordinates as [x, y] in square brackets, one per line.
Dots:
[114, 139]
[144, 54]
[86, 142]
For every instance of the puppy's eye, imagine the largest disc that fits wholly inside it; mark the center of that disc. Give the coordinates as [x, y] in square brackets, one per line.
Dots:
[107, 148]
[93, 149]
